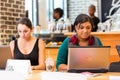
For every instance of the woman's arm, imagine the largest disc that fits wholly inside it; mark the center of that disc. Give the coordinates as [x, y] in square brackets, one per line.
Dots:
[62, 67]
[61, 63]
[12, 48]
[41, 46]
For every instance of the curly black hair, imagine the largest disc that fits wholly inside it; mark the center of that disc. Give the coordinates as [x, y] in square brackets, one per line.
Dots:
[60, 11]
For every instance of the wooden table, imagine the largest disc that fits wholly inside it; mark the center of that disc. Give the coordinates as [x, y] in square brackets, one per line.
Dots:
[104, 76]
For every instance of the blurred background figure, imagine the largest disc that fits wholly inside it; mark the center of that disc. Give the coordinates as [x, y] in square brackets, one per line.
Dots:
[58, 24]
[91, 11]
[57, 16]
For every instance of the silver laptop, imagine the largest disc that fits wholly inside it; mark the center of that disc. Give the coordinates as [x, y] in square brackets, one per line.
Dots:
[5, 53]
[88, 58]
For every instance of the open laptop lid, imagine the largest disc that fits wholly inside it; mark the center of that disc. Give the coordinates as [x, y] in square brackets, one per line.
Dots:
[88, 58]
[5, 53]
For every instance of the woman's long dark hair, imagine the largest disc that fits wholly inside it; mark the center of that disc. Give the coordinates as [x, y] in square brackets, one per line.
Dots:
[81, 18]
[26, 21]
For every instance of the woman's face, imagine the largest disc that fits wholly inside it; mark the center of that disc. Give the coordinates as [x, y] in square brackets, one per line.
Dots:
[83, 30]
[24, 31]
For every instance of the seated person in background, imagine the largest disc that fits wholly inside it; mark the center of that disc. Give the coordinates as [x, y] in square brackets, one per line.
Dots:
[27, 46]
[83, 25]
[57, 15]
[91, 11]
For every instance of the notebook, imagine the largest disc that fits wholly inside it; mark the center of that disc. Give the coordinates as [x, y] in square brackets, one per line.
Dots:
[5, 53]
[88, 58]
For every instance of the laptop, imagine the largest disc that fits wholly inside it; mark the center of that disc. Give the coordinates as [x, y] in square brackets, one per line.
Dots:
[5, 54]
[88, 58]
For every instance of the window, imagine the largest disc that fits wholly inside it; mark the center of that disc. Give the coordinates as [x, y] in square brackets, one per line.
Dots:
[52, 4]
[31, 7]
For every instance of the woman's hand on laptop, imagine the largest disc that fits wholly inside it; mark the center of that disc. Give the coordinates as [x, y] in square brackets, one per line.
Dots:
[62, 67]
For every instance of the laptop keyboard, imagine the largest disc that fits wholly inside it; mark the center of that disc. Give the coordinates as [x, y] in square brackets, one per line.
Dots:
[91, 70]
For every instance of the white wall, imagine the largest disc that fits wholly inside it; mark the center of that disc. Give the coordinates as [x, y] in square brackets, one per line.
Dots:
[42, 14]
[29, 8]
[80, 6]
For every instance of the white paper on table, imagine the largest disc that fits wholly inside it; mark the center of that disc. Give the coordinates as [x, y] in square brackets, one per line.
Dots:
[11, 75]
[114, 78]
[62, 76]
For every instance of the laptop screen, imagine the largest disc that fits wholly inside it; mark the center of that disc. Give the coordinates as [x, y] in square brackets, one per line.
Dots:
[88, 57]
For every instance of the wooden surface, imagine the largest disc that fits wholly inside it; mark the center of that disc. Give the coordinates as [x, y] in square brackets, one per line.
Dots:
[53, 54]
[94, 33]
[103, 76]
[110, 40]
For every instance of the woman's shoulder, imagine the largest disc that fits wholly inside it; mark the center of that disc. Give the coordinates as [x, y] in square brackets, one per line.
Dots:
[96, 37]
[65, 42]
[12, 43]
[66, 39]
[41, 42]
[97, 40]
[37, 39]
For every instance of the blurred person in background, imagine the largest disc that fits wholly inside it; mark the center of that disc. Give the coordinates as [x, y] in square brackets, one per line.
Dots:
[91, 11]
[57, 16]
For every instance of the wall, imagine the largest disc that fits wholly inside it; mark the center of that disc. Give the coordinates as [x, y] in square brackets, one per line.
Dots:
[10, 12]
[76, 7]
[42, 14]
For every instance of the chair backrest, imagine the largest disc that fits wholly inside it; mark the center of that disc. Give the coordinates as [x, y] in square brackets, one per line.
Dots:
[5, 54]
